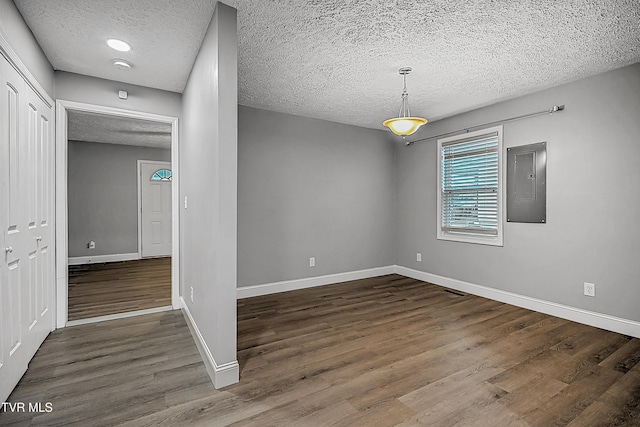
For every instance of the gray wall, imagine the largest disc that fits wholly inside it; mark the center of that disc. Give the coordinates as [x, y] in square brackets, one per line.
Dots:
[593, 204]
[19, 36]
[103, 196]
[208, 156]
[92, 90]
[311, 188]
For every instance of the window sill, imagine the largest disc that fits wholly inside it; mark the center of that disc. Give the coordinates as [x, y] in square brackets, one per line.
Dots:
[471, 238]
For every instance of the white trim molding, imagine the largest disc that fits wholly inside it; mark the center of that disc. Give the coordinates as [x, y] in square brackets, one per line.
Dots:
[61, 208]
[7, 51]
[62, 260]
[472, 236]
[116, 316]
[591, 318]
[309, 282]
[97, 259]
[221, 375]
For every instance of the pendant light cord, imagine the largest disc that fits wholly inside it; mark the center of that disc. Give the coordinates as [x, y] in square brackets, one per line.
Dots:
[404, 106]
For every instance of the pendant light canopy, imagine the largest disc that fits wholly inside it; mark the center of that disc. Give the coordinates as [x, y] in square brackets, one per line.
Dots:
[404, 124]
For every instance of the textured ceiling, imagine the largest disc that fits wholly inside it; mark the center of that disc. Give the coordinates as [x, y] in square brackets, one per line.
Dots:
[338, 60]
[165, 36]
[90, 127]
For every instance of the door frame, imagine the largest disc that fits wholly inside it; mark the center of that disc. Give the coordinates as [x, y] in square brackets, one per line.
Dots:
[139, 174]
[61, 208]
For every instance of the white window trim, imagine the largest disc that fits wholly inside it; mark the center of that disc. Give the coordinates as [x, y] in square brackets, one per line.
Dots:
[496, 240]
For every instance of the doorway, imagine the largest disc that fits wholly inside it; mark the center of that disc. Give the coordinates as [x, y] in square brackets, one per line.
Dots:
[110, 246]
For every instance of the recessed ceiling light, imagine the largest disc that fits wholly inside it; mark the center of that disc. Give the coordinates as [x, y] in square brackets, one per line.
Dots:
[122, 64]
[119, 45]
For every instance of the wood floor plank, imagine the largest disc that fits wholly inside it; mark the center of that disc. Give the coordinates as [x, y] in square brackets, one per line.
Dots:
[459, 405]
[607, 409]
[375, 352]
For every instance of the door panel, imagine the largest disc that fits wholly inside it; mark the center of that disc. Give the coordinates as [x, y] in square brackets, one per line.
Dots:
[45, 238]
[31, 280]
[12, 107]
[30, 163]
[11, 118]
[45, 151]
[46, 285]
[38, 174]
[13, 307]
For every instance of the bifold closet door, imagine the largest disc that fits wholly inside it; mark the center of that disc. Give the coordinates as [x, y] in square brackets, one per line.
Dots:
[27, 275]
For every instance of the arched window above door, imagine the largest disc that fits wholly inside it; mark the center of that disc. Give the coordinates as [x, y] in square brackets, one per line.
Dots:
[161, 175]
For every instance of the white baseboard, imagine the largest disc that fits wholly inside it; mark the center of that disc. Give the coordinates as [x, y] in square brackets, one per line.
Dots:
[221, 375]
[591, 318]
[97, 259]
[118, 316]
[309, 282]
[599, 320]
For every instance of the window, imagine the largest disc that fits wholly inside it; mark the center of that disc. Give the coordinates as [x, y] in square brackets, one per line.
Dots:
[161, 175]
[470, 187]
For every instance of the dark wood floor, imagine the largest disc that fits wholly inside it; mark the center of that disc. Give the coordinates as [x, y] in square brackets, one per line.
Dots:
[376, 352]
[118, 287]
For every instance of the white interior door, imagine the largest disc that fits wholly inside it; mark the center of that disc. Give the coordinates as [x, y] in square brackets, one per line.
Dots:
[155, 208]
[26, 203]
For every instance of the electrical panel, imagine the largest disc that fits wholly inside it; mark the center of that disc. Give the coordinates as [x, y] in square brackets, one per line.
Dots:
[527, 183]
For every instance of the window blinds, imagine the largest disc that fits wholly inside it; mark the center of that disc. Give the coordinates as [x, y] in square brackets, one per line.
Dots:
[469, 185]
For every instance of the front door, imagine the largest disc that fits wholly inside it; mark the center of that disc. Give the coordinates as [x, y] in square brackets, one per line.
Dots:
[155, 208]
[27, 275]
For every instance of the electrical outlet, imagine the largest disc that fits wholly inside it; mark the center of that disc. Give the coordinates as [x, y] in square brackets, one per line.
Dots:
[185, 202]
[419, 257]
[312, 262]
[589, 289]
[91, 245]
[192, 294]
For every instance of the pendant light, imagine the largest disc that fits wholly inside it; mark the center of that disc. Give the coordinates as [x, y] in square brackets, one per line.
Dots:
[404, 124]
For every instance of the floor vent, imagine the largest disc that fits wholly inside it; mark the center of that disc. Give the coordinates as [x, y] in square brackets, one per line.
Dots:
[454, 292]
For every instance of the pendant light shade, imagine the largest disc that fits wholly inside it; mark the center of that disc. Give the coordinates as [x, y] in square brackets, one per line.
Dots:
[404, 124]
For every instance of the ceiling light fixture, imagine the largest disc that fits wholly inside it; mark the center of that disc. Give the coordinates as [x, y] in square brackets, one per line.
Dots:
[404, 124]
[122, 64]
[119, 45]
